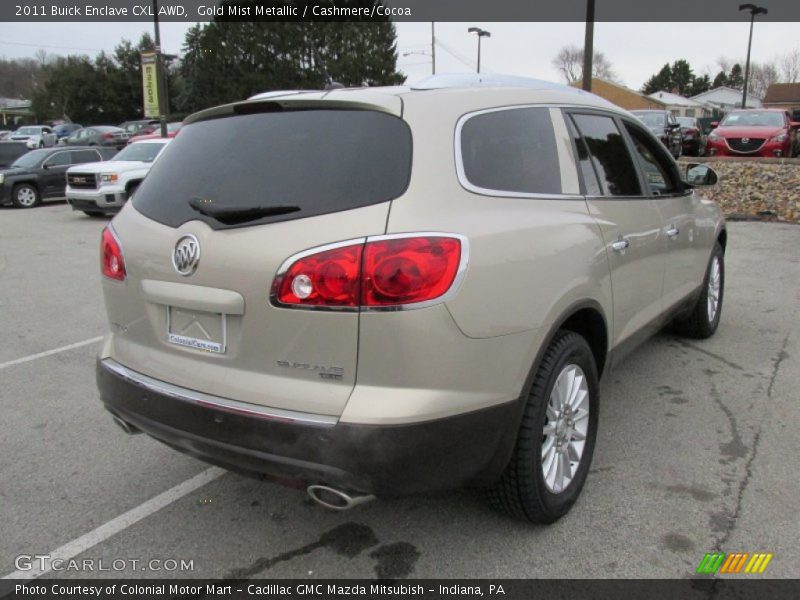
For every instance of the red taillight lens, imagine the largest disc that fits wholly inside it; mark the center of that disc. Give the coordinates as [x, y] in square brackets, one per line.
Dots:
[111, 262]
[409, 270]
[108, 136]
[378, 273]
[327, 278]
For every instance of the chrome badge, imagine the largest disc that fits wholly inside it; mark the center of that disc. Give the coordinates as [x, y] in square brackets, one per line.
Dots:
[186, 255]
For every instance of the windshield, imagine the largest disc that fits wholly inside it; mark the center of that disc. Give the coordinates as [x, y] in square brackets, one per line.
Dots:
[28, 131]
[651, 119]
[319, 161]
[686, 121]
[142, 152]
[31, 159]
[753, 118]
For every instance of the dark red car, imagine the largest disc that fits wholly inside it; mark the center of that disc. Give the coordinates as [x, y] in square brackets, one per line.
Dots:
[145, 134]
[755, 132]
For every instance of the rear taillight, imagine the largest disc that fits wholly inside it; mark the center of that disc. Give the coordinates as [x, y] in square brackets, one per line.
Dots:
[377, 272]
[108, 136]
[111, 262]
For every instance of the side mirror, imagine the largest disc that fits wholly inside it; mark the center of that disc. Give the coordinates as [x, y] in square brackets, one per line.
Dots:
[714, 124]
[699, 175]
[674, 125]
[45, 166]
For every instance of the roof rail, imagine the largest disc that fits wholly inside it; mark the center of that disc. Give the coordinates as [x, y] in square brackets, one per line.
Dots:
[461, 80]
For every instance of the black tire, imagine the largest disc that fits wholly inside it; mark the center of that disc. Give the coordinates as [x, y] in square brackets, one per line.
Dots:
[521, 491]
[697, 323]
[25, 195]
[93, 213]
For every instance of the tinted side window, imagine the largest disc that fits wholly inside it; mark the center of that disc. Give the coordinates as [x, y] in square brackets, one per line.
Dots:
[511, 150]
[658, 170]
[609, 154]
[584, 162]
[59, 159]
[85, 156]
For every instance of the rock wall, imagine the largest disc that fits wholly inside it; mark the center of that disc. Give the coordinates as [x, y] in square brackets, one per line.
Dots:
[754, 188]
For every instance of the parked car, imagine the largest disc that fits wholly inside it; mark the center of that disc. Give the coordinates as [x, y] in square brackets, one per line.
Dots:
[98, 135]
[755, 132]
[172, 131]
[278, 247]
[694, 140]
[103, 187]
[665, 127]
[66, 129]
[4, 133]
[132, 127]
[38, 175]
[11, 151]
[35, 136]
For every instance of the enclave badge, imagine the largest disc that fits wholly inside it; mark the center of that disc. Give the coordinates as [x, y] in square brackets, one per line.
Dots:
[186, 255]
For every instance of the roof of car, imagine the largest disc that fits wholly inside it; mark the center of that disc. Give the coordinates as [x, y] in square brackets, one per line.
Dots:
[491, 88]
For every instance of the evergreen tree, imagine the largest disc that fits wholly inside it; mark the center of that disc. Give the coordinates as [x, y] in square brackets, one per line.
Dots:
[700, 85]
[735, 77]
[682, 77]
[660, 81]
[720, 80]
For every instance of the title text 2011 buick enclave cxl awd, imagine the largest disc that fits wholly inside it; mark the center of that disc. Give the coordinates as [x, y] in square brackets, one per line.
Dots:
[390, 291]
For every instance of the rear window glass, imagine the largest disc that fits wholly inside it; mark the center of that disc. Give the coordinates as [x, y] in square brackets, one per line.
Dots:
[312, 161]
[511, 150]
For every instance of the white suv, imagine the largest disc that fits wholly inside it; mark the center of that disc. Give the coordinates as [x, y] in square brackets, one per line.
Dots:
[103, 187]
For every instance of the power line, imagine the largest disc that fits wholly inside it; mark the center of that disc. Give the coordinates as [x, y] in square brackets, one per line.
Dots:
[48, 46]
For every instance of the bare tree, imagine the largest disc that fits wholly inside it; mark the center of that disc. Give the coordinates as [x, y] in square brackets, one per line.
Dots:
[790, 66]
[762, 75]
[569, 61]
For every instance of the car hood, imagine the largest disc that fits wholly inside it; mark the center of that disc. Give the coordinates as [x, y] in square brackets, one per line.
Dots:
[748, 132]
[23, 136]
[117, 166]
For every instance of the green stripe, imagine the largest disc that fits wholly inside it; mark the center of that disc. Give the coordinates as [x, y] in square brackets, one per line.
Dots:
[719, 562]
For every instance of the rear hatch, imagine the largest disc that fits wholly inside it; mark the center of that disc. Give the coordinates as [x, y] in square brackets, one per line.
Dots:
[253, 186]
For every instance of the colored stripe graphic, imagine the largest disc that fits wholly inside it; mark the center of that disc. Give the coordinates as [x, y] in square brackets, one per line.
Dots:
[734, 563]
[711, 563]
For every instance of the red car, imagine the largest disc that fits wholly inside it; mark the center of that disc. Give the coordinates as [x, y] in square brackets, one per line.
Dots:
[755, 132]
[172, 131]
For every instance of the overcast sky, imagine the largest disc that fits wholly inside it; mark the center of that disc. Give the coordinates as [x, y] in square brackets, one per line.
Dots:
[636, 50]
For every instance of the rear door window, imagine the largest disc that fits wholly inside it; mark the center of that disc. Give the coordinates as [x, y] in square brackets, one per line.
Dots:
[310, 162]
[85, 156]
[610, 158]
[510, 150]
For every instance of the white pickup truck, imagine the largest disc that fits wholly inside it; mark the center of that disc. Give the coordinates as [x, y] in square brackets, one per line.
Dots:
[103, 187]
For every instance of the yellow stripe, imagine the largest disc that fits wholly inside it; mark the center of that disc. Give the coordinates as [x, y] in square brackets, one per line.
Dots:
[727, 563]
[753, 564]
[739, 566]
[767, 558]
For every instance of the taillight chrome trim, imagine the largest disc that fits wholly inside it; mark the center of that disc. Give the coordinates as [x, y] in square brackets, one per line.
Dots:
[457, 280]
[448, 295]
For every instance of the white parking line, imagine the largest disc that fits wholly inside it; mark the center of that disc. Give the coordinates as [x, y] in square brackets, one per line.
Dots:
[125, 520]
[24, 359]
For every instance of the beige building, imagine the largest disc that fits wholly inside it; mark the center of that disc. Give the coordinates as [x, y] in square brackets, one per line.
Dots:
[785, 96]
[622, 96]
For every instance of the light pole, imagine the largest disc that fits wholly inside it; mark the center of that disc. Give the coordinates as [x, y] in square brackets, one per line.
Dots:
[160, 75]
[481, 33]
[754, 10]
[588, 46]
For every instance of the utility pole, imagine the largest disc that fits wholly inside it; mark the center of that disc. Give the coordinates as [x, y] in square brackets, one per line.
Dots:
[754, 10]
[160, 75]
[433, 48]
[588, 46]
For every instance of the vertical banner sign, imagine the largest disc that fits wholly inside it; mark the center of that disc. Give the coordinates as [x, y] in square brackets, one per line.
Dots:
[150, 85]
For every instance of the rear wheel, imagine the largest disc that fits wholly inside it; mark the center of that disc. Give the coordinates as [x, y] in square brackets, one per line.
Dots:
[703, 321]
[25, 196]
[93, 213]
[556, 438]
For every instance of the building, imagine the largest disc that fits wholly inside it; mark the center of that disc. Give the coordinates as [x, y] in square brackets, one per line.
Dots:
[785, 96]
[724, 99]
[682, 107]
[622, 96]
[14, 112]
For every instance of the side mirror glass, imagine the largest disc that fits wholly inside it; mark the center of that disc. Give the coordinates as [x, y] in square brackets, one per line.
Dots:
[698, 175]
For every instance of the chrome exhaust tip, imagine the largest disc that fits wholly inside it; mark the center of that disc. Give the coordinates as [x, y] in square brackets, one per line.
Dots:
[334, 499]
[125, 426]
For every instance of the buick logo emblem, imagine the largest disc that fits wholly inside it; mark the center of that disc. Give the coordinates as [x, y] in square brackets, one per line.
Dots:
[745, 140]
[186, 255]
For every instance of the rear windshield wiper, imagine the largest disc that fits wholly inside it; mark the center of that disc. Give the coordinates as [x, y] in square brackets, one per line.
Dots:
[231, 215]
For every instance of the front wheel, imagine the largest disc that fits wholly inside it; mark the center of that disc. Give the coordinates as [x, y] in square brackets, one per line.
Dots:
[703, 321]
[25, 196]
[556, 437]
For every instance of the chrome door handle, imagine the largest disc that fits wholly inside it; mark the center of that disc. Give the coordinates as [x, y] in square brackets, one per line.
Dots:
[620, 245]
[672, 231]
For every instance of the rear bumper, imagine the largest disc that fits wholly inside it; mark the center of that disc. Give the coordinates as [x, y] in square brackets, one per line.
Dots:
[392, 460]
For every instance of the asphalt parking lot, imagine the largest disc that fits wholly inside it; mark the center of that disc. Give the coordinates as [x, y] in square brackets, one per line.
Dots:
[696, 452]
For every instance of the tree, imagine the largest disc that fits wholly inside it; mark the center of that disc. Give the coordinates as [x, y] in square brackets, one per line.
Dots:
[700, 85]
[762, 75]
[790, 66]
[569, 61]
[720, 80]
[682, 77]
[678, 78]
[735, 77]
[660, 81]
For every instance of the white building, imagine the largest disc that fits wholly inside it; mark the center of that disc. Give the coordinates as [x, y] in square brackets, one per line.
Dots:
[682, 107]
[725, 98]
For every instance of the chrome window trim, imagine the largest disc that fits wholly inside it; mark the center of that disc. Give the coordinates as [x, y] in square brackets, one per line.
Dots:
[467, 185]
[214, 402]
[454, 287]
